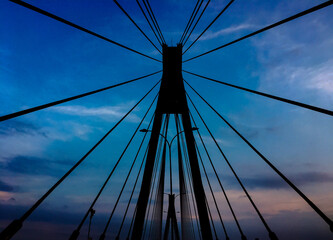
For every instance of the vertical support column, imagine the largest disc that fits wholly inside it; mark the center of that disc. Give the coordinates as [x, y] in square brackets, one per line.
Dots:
[186, 218]
[199, 192]
[147, 176]
[157, 216]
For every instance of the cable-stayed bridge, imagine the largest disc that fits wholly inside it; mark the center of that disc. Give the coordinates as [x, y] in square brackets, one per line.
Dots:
[170, 198]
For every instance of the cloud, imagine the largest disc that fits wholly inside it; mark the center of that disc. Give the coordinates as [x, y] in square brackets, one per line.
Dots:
[67, 130]
[317, 77]
[14, 126]
[232, 29]
[321, 78]
[18, 138]
[24, 139]
[6, 196]
[5, 187]
[296, 62]
[270, 202]
[109, 113]
[32, 166]
[312, 177]
[209, 140]
[275, 182]
[84, 111]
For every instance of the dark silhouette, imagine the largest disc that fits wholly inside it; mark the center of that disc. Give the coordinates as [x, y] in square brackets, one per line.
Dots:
[171, 99]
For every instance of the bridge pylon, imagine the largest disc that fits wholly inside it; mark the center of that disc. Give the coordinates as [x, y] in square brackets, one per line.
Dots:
[172, 100]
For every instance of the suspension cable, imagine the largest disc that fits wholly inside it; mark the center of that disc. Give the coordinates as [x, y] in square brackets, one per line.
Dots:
[16, 225]
[151, 27]
[270, 232]
[170, 162]
[186, 213]
[189, 177]
[131, 19]
[223, 10]
[151, 193]
[312, 205]
[154, 23]
[212, 193]
[131, 196]
[211, 218]
[158, 194]
[47, 105]
[161, 156]
[243, 237]
[196, 23]
[136, 180]
[152, 20]
[299, 104]
[130, 228]
[76, 232]
[310, 10]
[27, 5]
[149, 9]
[183, 194]
[208, 208]
[195, 15]
[129, 172]
[151, 197]
[156, 228]
[155, 170]
[188, 22]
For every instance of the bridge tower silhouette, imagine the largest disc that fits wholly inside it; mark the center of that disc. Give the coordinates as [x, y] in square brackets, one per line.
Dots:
[172, 103]
[172, 100]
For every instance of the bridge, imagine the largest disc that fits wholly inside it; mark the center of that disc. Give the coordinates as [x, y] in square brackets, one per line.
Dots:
[178, 188]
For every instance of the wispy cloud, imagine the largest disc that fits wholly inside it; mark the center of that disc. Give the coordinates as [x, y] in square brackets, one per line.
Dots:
[67, 130]
[209, 140]
[109, 113]
[315, 77]
[232, 29]
[300, 179]
[84, 111]
[294, 65]
[21, 139]
[29, 140]
[321, 78]
[273, 182]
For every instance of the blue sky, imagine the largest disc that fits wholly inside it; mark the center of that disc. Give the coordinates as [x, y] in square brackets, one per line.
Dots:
[42, 60]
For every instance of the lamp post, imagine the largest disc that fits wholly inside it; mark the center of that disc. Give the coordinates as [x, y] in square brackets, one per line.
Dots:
[171, 215]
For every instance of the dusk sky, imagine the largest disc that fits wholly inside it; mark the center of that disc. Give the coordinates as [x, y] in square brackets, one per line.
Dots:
[42, 60]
